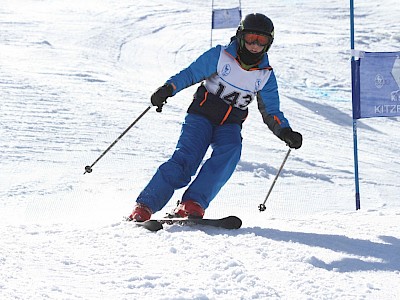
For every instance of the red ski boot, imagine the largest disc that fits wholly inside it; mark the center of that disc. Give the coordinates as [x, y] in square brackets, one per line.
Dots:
[140, 213]
[189, 209]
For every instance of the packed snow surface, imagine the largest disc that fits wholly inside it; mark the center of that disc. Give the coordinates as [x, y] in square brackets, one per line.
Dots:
[75, 74]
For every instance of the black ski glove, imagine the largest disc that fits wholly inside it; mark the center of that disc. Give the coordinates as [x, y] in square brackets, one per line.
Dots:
[292, 138]
[160, 96]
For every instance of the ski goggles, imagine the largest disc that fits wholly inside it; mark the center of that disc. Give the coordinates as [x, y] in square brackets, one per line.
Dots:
[258, 39]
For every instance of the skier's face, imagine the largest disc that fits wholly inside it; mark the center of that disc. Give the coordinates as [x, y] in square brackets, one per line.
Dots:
[255, 43]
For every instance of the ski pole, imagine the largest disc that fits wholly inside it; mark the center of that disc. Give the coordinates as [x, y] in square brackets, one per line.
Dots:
[88, 169]
[262, 206]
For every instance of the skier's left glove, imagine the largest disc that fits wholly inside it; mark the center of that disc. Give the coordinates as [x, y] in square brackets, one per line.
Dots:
[160, 96]
[292, 138]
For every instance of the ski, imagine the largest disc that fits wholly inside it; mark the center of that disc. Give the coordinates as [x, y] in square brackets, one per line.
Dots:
[231, 222]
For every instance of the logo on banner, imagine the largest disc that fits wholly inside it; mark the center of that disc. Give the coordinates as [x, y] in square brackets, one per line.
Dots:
[379, 81]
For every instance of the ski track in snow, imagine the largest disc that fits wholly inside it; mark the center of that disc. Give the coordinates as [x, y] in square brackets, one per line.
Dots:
[74, 75]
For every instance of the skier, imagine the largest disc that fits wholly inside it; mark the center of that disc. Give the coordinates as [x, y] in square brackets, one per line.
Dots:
[231, 77]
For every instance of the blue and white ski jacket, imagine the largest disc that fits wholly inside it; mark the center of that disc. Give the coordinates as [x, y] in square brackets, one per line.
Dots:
[227, 89]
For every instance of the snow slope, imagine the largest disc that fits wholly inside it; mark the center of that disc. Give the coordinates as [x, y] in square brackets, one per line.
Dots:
[75, 74]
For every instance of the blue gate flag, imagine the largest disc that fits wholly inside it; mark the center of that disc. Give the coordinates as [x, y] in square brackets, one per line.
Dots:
[226, 18]
[377, 85]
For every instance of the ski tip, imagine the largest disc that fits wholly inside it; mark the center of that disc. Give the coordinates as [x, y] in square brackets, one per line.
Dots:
[231, 222]
[235, 222]
[152, 225]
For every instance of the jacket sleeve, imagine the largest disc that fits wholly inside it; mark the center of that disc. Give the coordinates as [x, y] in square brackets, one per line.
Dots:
[268, 105]
[200, 69]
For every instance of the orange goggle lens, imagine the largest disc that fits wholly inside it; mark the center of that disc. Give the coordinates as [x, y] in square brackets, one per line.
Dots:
[252, 38]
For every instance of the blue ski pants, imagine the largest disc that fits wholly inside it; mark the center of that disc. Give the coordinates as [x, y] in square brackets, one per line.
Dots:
[197, 134]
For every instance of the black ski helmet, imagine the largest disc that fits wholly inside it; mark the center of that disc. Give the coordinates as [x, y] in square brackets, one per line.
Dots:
[256, 23]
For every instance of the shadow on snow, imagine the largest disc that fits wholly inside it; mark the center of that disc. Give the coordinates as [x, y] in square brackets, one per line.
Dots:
[388, 252]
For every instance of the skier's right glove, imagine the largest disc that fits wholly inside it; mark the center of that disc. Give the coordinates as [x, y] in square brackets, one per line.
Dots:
[292, 138]
[160, 96]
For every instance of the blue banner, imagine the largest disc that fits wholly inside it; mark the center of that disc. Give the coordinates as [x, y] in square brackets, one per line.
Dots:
[226, 18]
[377, 85]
